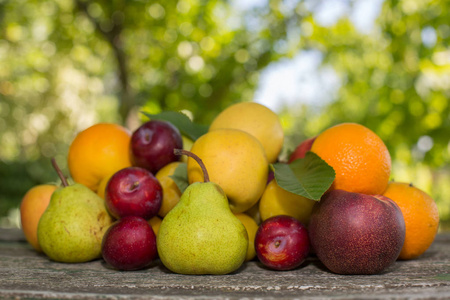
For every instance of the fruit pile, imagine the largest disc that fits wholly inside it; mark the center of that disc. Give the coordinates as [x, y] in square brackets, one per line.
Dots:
[207, 202]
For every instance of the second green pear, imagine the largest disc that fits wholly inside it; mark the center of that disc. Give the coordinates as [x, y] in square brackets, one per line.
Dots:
[200, 235]
[72, 227]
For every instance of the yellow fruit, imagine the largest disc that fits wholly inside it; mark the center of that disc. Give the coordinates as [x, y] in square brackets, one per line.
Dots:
[277, 201]
[358, 156]
[155, 222]
[253, 212]
[256, 119]
[251, 227]
[187, 145]
[33, 205]
[236, 161]
[421, 217]
[171, 192]
[102, 185]
[98, 151]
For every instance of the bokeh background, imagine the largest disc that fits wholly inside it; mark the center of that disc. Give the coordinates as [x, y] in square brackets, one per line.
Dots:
[67, 64]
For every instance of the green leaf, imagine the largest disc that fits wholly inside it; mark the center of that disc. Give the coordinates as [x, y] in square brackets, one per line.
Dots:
[182, 122]
[180, 177]
[309, 177]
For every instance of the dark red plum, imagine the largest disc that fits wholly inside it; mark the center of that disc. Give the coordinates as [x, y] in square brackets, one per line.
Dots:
[282, 243]
[270, 177]
[129, 244]
[133, 191]
[152, 145]
[301, 149]
[354, 233]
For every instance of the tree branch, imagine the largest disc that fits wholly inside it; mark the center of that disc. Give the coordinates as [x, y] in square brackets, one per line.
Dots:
[113, 38]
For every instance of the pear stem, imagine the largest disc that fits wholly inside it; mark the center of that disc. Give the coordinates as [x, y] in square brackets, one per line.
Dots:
[60, 173]
[197, 159]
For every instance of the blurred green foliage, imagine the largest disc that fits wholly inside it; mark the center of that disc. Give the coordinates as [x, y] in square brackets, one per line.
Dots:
[396, 81]
[67, 64]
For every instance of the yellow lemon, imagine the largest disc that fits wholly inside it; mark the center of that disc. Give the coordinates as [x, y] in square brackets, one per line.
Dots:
[187, 145]
[171, 192]
[254, 213]
[251, 227]
[155, 222]
[102, 185]
[257, 120]
[277, 201]
[236, 161]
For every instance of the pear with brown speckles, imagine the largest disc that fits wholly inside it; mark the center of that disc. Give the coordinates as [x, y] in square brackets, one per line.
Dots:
[72, 227]
[201, 235]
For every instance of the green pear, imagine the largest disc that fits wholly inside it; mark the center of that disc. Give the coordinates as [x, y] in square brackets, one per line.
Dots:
[72, 227]
[201, 235]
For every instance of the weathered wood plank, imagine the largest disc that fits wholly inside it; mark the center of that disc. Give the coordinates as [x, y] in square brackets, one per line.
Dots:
[27, 274]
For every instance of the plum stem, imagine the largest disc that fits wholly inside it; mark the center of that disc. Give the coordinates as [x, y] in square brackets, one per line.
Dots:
[60, 173]
[197, 159]
[134, 185]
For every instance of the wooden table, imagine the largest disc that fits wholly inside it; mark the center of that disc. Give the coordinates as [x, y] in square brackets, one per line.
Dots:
[27, 274]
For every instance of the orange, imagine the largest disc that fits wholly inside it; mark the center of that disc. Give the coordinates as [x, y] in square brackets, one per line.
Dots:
[421, 217]
[359, 157]
[33, 205]
[97, 152]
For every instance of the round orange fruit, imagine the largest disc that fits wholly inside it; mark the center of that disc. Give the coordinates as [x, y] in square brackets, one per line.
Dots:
[421, 217]
[359, 157]
[33, 205]
[97, 152]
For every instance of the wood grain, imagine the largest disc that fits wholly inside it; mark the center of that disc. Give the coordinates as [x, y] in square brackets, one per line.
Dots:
[25, 273]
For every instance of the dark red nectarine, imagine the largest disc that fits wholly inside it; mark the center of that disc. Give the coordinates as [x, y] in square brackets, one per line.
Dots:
[354, 233]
